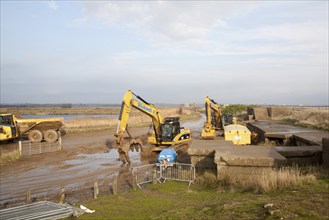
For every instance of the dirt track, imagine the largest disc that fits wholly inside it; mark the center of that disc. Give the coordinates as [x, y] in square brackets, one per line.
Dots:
[84, 159]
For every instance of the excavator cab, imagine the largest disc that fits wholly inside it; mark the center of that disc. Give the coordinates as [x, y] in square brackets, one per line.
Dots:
[170, 128]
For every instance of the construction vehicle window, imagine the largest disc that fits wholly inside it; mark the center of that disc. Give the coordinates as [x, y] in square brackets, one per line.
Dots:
[5, 120]
[176, 129]
[166, 130]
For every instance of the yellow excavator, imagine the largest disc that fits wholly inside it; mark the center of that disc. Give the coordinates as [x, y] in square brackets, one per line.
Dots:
[213, 119]
[166, 131]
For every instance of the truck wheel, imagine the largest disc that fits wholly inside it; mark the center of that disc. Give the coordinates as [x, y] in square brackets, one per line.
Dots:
[35, 136]
[51, 136]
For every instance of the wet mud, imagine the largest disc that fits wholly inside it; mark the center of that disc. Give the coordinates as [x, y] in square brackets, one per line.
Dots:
[84, 159]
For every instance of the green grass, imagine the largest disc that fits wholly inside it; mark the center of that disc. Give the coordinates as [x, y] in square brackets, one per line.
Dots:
[175, 200]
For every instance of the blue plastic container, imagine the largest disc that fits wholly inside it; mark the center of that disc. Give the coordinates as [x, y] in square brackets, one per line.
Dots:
[168, 154]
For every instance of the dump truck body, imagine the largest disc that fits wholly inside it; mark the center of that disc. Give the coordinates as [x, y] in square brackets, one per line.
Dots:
[35, 129]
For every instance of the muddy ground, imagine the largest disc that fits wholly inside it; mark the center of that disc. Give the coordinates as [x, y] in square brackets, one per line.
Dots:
[84, 159]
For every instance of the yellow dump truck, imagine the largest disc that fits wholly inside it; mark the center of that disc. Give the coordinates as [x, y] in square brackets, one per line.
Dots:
[36, 130]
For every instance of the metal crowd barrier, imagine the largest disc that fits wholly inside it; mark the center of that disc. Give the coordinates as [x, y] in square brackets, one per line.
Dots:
[38, 210]
[27, 148]
[178, 172]
[145, 174]
[162, 172]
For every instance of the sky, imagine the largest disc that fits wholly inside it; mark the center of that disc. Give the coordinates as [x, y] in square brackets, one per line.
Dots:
[246, 52]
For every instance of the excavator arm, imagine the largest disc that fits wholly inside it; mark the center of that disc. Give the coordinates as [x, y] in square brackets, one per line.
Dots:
[140, 104]
[217, 123]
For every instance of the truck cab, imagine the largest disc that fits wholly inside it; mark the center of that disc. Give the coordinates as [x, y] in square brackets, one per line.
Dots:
[8, 128]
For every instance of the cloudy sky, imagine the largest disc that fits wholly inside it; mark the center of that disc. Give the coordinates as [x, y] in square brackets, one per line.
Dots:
[250, 52]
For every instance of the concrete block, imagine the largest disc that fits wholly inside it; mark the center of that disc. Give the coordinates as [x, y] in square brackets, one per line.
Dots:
[249, 156]
[304, 161]
[300, 151]
[202, 152]
[204, 162]
[206, 147]
[261, 113]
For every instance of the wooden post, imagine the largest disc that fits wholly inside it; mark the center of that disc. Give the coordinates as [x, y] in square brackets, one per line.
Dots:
[325, 152]
[60, 141]
[134, 178]
[20, 148]
[96, 189]
[30, 148]
[154, 178]
[115, 186]
[63, 195]
[28, 197]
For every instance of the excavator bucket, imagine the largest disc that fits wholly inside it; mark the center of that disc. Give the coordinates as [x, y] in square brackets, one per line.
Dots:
[208, 135]
[136, 145]
[208, 132]
[124, 146]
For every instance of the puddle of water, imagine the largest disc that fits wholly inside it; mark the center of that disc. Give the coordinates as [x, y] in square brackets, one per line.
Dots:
[95, 161]
[71, 174]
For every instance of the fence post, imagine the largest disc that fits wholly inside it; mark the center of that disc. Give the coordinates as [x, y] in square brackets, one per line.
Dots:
[20, 148]
[59, 142]
[30, 148]
[115, 186]
[134, 178]
[96, 190]
[40, 148]
[63, 195]
[28, 197]
[325, 152]
[154, 177]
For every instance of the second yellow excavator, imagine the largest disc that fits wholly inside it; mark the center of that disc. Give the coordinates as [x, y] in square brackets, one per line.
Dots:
[166, 131]
[213, 119]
